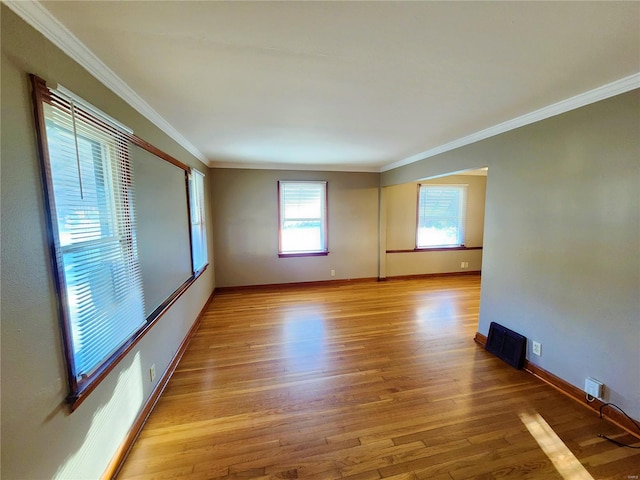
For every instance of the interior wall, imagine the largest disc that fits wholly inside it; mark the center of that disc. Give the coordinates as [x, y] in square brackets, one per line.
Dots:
[245, 207]
[167, 237]
[562, 240]
[40, 437]
[401, 204]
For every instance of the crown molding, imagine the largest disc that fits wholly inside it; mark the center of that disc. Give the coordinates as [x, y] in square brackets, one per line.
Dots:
[36, 15]
[618, 87]
[296, 167]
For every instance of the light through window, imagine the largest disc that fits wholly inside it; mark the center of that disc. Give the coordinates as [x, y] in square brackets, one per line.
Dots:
[441, 215]
[91, 205]
[198, 224]
[303, 217]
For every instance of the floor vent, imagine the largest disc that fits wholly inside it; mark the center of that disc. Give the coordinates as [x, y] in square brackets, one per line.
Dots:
[507, 345]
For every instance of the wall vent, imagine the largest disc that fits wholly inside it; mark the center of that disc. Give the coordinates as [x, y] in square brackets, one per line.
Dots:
[507, 345]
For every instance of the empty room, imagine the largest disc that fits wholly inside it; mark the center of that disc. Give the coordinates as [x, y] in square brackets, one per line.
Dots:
[322, 240]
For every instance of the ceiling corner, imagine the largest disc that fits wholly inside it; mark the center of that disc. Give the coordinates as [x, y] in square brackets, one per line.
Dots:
[603, 92]
[36, 15]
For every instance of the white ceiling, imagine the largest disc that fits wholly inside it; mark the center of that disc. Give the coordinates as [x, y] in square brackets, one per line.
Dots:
[354, 85]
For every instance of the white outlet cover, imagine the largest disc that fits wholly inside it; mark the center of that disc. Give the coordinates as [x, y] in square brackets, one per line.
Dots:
[537, 348]
[593, 387]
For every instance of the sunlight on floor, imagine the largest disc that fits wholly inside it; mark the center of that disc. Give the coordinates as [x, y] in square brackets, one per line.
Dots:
[109, 426]
[565, 462]
[304, 338]
[436, 310]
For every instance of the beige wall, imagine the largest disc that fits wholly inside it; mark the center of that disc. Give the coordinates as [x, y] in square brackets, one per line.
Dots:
[561, 249]
[561, 258]
[40, 438]
[245, 210]
[401, 205]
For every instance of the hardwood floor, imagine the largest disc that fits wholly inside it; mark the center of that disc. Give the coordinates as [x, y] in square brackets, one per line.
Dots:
[363, 381]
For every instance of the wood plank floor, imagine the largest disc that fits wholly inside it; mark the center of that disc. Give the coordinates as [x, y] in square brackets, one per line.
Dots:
[363, 381]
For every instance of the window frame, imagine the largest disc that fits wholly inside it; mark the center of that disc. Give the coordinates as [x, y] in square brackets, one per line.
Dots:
[79, 391]
[109, 136]
[324, 220]
[198, 221]
[461, 217]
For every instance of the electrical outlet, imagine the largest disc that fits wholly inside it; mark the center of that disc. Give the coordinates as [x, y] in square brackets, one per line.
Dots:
[152, 372]
[593, 387]
[333, 273]
[464, 264]
[537, 348]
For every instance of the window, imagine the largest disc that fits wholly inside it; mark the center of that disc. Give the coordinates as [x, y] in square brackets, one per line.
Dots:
[441, 215]
[89, 186]
[302, 218]
[198, 225]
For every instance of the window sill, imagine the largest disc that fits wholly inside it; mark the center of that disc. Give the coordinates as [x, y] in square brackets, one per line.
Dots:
[76, 398]
[303, 254]
[434, 249]
[200, 271]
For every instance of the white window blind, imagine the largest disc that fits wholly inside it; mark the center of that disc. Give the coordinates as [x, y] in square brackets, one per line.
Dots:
[198, 224]
[91, 203]
[441, 216]
[303, 217]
